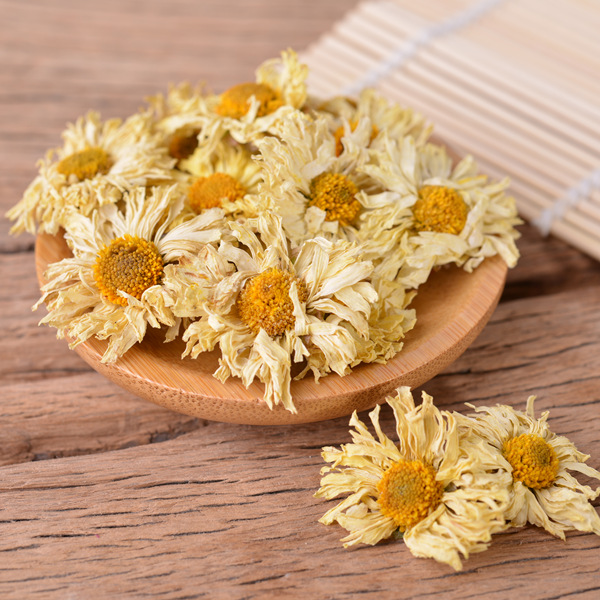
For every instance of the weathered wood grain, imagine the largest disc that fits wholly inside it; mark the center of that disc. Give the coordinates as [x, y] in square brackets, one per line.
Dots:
[232, 508]
[228, 512]
[545, 346]
[547, 266]
[93, 415]
[38, 355]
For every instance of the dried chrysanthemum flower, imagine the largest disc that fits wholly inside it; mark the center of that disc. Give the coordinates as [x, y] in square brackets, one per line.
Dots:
[235, 102]
[266, 309]
[182, 119]
[249, 110]
[228, 179]
[117, 284]
[183, 110]
[319, 193]
[542, 490]
[97, 163]
[388, 120]
[450, 214]
[391, 318]
[279, 82]
[434, 487]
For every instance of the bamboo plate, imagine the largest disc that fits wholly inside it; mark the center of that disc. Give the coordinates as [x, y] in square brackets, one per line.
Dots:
[452, 308]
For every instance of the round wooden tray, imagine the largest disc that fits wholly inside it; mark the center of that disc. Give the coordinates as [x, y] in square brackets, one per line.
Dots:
[452, 308]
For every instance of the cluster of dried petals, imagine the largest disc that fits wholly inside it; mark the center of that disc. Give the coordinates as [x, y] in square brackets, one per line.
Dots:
[274, 226]
[453, 480]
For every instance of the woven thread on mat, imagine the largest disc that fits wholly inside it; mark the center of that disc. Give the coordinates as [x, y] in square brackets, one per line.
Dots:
[409, 48]
[578, 193]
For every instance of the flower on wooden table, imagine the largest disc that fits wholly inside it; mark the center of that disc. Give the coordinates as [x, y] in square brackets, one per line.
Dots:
[542, 490]
[434, 487]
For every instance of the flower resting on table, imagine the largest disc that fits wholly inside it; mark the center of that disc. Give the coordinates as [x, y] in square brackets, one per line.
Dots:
[117, 282]
[97, 163]
[542, 491]
[266, 307]
[436, 489]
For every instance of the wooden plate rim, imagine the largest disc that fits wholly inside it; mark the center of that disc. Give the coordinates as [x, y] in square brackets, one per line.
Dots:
[147, 369]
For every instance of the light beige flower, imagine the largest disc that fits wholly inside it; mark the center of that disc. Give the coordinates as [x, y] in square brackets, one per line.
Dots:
[229, 179]
[279, 82]
[180, 115]
[97, 163]
[248, 111]
[450, 214]
[388, 120]
[433, 487]
[267, 309]
[116, 284]
[318, 193]
[390, 320]
[542, 491]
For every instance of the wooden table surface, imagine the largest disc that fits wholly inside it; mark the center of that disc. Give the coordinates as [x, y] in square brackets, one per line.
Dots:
[104, 495]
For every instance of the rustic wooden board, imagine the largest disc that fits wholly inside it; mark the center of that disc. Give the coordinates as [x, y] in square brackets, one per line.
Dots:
[231, 507]
[203, 509]
[173, 507]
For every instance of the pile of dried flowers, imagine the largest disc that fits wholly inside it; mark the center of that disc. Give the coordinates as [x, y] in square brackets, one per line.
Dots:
[453, 480]
[275, 226]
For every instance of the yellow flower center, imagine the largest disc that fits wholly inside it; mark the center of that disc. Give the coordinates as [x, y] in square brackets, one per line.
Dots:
[85, 164]
[130, 264]
[182, 145]
[208, 192]
[339, 134]
[408, 492]
[265, 303]
[440, 209]
[335, 194]
[533, 460]
[235, 101]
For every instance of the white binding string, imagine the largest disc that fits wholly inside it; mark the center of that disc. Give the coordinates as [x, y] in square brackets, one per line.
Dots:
[409, 48]
[578, 193]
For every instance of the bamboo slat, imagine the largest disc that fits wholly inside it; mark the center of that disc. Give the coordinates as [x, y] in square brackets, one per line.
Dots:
[512, 82]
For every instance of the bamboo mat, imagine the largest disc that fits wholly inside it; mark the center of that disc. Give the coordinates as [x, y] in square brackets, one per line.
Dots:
[512, 82]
